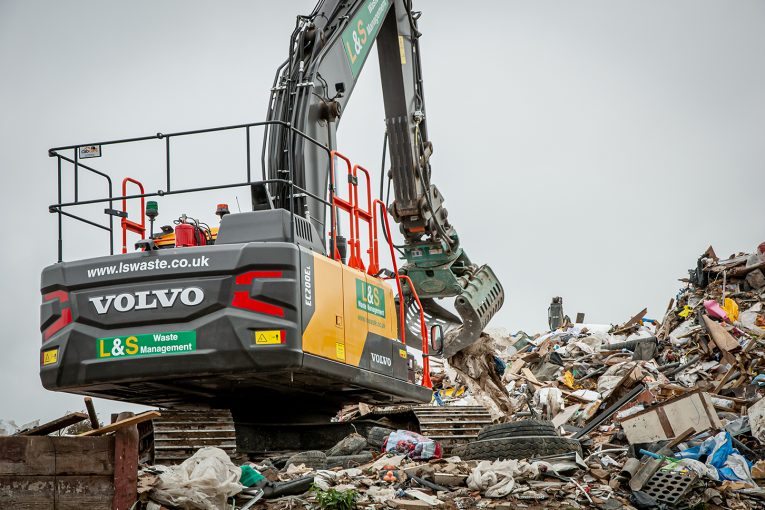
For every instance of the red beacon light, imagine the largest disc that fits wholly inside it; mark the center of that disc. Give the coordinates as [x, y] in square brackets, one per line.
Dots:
[222, 210]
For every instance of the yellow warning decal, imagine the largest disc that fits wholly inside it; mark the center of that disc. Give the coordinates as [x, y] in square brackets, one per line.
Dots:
[50, 357]
[402, 353]
[340, 351]
[270, 337]
[401, 49]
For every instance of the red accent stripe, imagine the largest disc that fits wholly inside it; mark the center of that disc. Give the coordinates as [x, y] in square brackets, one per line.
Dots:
[56, 294]
[284, 336]
[66, 318]
[246, 278]
[243, 300]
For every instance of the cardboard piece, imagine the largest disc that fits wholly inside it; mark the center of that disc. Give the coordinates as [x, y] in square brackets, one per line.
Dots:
[722, 339]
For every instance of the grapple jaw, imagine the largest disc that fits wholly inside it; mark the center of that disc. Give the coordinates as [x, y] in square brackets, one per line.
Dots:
[481, 297]
[480, 300]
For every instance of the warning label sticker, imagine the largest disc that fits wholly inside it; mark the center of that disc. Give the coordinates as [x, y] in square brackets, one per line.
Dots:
[270, 337]
[50, 357]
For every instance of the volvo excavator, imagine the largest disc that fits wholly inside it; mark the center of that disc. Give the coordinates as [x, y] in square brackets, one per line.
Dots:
[285, 310]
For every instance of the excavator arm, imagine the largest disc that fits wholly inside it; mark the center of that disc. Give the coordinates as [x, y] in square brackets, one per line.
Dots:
[327, 53]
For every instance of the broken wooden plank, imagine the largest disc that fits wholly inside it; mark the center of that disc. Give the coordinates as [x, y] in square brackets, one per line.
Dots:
[635, 319]
[516, 366]
[139, 418]
[94, 424]
[54, 425]
[529, 375]
[724, 379]
[681, 437]
[565, 415]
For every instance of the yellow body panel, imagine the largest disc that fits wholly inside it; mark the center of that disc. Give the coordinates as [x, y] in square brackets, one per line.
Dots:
[356, 328]
[324, 335]
[349, 304]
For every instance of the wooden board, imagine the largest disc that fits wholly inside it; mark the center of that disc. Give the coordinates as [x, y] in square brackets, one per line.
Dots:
[126, 465]
[56, 493]
[134, 420]
[45, 455]
[672, 418]
[55, 425]
[565, 415]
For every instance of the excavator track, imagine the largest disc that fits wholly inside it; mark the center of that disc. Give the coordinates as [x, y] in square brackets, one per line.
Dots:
[452, 425]
[180, 433]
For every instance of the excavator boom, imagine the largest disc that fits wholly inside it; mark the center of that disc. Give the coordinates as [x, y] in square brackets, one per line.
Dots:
[328, 50]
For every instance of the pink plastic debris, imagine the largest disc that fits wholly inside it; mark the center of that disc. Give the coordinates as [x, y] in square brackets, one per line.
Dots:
[715, 310]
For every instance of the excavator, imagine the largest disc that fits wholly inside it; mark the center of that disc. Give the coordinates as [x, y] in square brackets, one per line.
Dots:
[284, 310]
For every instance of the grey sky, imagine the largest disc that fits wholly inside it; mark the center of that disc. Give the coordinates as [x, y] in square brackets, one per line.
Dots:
[585, 149]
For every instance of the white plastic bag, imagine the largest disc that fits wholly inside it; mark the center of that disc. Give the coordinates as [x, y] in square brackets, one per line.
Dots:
[497, 479]
[204, 481]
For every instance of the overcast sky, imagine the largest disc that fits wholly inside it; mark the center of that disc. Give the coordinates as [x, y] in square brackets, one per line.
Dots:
[588, 149]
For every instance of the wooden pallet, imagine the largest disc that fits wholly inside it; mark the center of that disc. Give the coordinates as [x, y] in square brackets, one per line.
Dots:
[452, 425]
[178, 434]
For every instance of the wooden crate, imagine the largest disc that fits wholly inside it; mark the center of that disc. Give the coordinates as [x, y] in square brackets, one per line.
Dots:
[66, 473]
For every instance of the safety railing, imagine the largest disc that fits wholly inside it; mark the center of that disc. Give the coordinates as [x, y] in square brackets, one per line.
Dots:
[128, 225]
[61, 208]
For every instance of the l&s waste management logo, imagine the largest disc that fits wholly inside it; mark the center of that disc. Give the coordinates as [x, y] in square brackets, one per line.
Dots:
[370, 298]
[146, 345]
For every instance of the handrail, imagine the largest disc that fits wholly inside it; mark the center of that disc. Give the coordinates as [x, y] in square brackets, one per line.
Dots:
[109, 187]
[402, 311]
[423, 332]
[345, 205]
[77, 164]
[367, 216]
[138, 228]
[400, 289]
[159, 136]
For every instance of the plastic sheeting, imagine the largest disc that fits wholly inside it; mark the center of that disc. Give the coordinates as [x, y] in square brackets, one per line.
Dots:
[720, 454]
[497, 479]
[204, 481]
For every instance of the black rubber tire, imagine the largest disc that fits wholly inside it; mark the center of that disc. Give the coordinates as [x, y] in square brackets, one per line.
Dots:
[377, 436]
[313, 459]
[524, 447]
[349, 461]
[458, 451]
[518, 429]
[353, 444]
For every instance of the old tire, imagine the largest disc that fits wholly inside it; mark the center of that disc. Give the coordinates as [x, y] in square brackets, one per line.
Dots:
[349, 461]
[377, 436]
[458, 450]
[313, 459]
[518, 429]
[352, 444]
[523, 447]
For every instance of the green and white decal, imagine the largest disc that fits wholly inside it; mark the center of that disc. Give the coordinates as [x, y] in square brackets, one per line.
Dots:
[360, 33]
[370, 298]
[176, 342]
